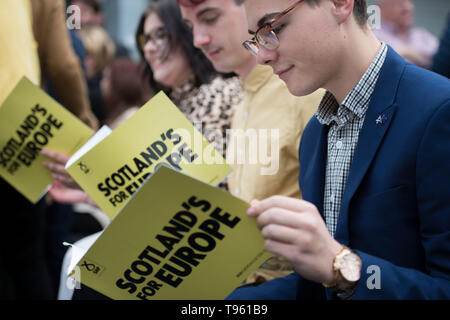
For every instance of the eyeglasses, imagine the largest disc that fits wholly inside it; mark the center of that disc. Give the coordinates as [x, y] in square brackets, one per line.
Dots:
[189, 3]
[158, 37]
[266, 35]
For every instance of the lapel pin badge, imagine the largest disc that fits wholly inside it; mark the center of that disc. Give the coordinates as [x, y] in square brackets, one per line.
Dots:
[381, 120]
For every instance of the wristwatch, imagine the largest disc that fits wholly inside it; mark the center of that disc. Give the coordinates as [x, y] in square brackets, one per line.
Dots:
[347, 271]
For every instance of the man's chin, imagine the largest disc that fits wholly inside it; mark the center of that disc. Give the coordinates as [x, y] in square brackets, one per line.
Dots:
[299, 91]
[222, 67]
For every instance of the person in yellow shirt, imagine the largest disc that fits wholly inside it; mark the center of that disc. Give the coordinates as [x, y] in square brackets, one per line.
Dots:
[23, 270]
[18, 53]
[267, 126]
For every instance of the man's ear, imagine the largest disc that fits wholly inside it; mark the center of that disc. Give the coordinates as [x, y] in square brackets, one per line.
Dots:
[342, 9]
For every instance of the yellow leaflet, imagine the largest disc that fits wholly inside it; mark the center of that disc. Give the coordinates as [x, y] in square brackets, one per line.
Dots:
[177, 238]
[113, 170]
[30, 120]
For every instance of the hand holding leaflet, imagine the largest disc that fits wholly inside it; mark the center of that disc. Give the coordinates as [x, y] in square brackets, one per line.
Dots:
[114, 166]
[177, 238]
[30, 121]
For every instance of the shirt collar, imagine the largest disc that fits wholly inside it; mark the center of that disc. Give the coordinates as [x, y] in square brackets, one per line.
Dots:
[186, 87]
[257, 78]
[180, 93]
[357, 101]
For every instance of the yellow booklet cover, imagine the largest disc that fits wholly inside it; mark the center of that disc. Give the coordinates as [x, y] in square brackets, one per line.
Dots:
[178, 238]
[112, 170]
[30, 120]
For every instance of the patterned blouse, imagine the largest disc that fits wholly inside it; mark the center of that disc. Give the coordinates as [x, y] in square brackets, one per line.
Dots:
[210, 107]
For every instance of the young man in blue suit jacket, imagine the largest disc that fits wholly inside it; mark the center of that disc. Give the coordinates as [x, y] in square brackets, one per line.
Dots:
[374, 222]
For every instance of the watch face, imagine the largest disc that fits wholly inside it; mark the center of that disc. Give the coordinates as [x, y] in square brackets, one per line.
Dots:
[350, 267]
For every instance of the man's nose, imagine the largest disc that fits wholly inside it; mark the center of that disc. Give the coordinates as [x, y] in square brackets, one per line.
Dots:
[266, 56]
[201, 38]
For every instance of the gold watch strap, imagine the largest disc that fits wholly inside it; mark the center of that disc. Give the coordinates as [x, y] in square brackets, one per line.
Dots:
[336, 272]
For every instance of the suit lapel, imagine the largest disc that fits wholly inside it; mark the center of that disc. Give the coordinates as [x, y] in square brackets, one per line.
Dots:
[316, 174]
[376, 123]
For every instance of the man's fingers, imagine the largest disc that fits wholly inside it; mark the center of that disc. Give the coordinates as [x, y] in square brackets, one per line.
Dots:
[282, 202]
[65, 180]
[56, 156]
[54, 167]
[282, 249]
[279, 216]
[285, 235]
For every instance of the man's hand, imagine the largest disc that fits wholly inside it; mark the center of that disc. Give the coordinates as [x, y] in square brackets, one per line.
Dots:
[60, 193]
[295, 230]
[57, 168]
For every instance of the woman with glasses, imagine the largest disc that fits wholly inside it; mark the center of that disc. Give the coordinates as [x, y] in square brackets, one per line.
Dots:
[174, 65]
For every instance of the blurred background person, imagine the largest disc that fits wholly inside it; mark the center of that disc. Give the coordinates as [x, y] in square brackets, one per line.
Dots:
[99, 50]
[92, 15]
[123, 90]
[441, 60]
[415, 44]
[91, 12]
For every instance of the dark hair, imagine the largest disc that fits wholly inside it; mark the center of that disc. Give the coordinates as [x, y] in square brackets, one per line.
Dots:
[126, 88]
[179, 33]
[94, 4]
[360, 12]
[359, 8]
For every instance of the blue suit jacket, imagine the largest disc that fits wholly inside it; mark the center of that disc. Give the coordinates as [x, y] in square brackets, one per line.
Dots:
[395, 211]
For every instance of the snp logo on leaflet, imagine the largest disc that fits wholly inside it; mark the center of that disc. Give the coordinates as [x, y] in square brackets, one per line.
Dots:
[91, 266]
[84, 168]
